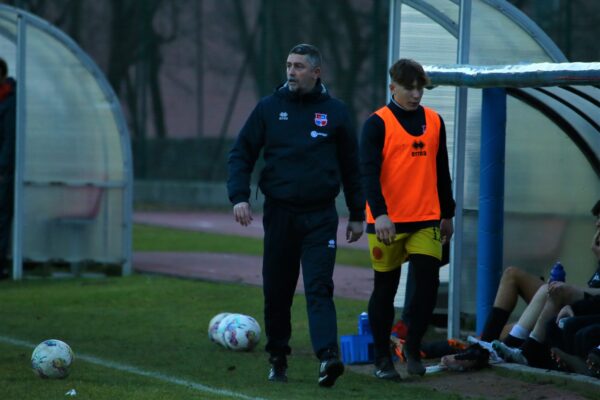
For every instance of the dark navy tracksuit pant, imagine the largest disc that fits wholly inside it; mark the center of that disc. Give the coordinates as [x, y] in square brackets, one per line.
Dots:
[293, 238]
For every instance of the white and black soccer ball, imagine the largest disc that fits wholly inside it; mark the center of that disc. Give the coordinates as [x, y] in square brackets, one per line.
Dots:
[52, 359]
[213, 326]
[238, 332]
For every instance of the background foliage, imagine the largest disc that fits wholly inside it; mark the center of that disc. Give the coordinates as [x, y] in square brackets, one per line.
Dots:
[193, 69]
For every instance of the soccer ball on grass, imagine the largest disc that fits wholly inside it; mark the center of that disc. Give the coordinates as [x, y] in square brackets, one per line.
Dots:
[213, 326]
[238, 332]
[52, 359]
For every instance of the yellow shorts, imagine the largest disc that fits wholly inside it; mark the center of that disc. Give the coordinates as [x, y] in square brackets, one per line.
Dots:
[385, 258]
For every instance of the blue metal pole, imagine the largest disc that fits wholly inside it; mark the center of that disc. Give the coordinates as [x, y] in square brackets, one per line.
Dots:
[491, 200]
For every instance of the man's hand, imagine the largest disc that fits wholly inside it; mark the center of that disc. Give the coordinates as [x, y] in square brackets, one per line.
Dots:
[446, 230]
[565, 312]
[354, 231]
[242, 213]
[385, 229]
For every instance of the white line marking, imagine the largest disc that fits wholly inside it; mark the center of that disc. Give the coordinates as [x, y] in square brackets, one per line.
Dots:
[137, 371]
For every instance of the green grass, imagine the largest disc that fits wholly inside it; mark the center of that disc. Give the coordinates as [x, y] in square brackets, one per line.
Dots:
[159, 325]
[154, 238]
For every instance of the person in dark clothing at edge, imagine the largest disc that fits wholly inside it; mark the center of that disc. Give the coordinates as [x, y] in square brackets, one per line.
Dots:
[7, 163]
[406, 178]
[310, 148]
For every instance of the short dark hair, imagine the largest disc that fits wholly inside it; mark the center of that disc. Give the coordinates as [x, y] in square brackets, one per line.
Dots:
[596, 209]
[3, 69]
[311, 52]
[406, 71]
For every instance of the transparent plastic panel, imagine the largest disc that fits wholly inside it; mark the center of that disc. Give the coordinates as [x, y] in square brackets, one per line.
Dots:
[550, 189]
[71, 132]
[8, 40]
[447, 7]
[73, 223]
[423, 40]
[496, 39]
[74, 176]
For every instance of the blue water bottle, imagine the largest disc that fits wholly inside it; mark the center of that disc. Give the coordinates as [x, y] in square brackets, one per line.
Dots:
[364, 328]
[558, 273]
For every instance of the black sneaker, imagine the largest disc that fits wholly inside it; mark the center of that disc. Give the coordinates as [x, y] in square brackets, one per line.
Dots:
[593, 362]
[278, 371]
[329, 370]
[473, 357]
[385, 370]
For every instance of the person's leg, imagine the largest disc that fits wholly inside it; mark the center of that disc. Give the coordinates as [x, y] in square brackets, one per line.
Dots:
[513, 283]
[425, 252]
[319, 231]
[318, 260]
[571, 326]
[386, 261]
[557, 299]
[534, 349]
[381, 312]
[281, 267]
[556, 337]
[588, 337]
[420, 306]
[527, 321]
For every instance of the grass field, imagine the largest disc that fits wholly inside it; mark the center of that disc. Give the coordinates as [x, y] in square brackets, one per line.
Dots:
[154, 238]
[145, 337]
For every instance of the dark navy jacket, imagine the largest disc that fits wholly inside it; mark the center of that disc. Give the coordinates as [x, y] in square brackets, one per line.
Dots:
[310, 149]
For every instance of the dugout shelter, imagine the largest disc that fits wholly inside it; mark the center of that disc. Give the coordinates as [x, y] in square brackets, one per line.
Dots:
[73, 179]
[541, 179]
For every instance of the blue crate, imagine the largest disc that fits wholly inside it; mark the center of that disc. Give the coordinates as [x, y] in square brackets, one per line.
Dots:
[357, 349]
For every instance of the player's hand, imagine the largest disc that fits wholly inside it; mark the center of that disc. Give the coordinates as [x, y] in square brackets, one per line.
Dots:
[446, 230]
[354, 231]
[242, 213]
[385, 229]
[565, 312]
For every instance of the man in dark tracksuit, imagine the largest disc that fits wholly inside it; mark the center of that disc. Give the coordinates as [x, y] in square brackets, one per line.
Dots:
[7, 163]
[310, 148]
[410, 208]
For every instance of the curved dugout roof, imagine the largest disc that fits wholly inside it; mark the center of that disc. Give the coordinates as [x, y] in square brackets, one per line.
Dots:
[74, 172]
[576, 109]
[550, 179]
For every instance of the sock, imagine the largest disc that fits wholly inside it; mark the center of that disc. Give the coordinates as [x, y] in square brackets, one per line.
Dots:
[536, 353]
[512, 341]
[519, 332]
[494, 324]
